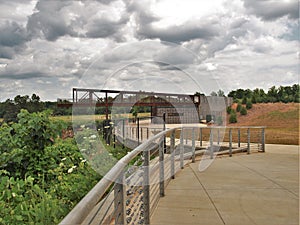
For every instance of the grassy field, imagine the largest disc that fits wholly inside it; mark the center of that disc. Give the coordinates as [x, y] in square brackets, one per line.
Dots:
[281, 120]
[96, 117]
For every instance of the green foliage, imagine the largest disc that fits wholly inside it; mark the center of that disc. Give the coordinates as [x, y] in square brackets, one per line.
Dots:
[239, 107]
[244, 101]
[229, 109]
[249, 104]
[42, 176]
[281, 94]
[232, 117]
[243, 111]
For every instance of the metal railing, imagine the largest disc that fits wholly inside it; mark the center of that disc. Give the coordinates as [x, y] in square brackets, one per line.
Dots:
[130, 191]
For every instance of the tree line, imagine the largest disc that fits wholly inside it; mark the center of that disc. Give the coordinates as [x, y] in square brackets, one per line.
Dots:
[283, 94]
[10, 108]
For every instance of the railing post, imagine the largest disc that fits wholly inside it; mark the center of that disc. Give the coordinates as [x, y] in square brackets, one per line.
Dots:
[123, 133]
[248, 141]
[263, 139]
[181, 149]
[218, 136]
[230, 142]
[200, 137]
[172, 152]
[211, 147]
[161, 170]
[146, 188]
[193, 145]
[239, 137]
[120, 201]
[138, 130]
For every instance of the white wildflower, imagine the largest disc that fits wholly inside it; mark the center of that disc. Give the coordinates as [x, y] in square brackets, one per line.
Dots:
[61, 164]
[70, 170]
[93, 136]
[83, 161]
[63, 159]
[13, 194]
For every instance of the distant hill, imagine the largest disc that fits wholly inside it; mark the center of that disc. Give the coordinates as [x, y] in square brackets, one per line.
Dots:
[281, 120]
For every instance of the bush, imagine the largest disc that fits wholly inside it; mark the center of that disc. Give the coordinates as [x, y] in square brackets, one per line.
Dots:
[229, 109]
[243, 111]
[249, 105]
[232, 118]
[239, 107]
[244, 101]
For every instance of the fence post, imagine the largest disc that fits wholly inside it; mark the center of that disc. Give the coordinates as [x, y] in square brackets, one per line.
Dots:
[181, 149]
[230, 142]
[120, 201]
[211, 144]
[263, 139]
[248, 141]
[146, 188]
[193, 145]
[161, 170]
[172, 152]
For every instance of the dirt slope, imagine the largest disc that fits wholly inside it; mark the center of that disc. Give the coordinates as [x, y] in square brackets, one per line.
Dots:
[281, 120]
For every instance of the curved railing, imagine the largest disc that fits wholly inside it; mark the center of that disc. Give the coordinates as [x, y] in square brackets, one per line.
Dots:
[129, 192]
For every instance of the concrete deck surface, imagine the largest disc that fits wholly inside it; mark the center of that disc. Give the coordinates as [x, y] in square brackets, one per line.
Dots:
[260, 188]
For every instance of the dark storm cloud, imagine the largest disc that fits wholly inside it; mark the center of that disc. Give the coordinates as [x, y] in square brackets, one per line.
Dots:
[102, 28]
[12, 39]
[178, 34]
[48, 21]
[12, 34]
[271, 10]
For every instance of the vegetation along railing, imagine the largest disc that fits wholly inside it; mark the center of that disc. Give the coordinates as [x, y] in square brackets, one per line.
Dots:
[129, 192]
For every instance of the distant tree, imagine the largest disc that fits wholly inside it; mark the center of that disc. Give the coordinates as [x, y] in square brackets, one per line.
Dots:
[244, 101]
[248, 104]
[229, 109]
[213, 93]
[243, 111]
[239, 107]
[232, 117]
[221, 93]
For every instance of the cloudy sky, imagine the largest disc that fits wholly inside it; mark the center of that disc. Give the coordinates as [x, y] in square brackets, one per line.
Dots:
[48, 47]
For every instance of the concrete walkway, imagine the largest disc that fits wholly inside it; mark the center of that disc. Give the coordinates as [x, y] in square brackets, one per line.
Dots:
[260, 188]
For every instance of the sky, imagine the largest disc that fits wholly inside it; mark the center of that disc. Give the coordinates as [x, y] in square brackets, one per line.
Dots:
[47, 47]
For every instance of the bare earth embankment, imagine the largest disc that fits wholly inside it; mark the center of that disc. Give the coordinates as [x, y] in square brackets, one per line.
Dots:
[281, 120]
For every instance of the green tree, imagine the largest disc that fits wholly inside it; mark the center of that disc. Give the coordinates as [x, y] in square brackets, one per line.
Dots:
[239, 107]
[233, 117]
[248, 104]
[243, 111]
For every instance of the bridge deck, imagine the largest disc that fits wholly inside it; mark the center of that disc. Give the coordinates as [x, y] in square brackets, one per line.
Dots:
[245, 189]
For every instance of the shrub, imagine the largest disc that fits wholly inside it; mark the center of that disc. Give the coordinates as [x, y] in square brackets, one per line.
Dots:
[239, 107]
[243, 111]
[232, 118]
[244, 101]
[249, 105]
[229, 109]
